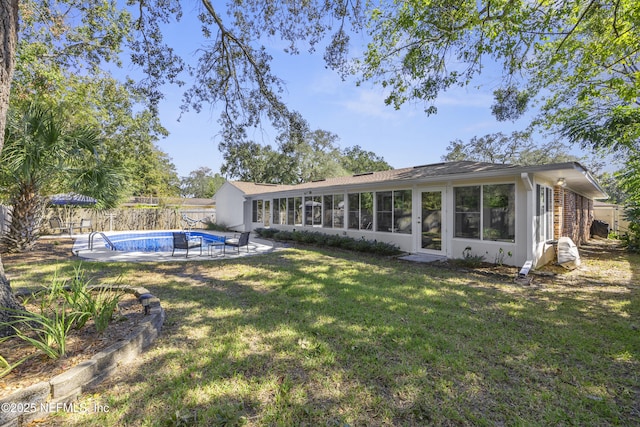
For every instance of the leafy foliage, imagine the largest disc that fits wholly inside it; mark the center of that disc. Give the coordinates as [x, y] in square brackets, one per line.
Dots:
[62, 55]
[66, 304]
[302, 155]
[336, 241]
[43, 155]
[517, 148]
[201, 183]
[358, 160]
[578, 59]
[629, 180]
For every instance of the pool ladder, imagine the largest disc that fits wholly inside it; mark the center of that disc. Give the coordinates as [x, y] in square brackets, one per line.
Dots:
[109, 243]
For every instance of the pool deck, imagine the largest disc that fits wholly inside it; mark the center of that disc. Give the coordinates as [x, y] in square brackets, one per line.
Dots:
[99, 252]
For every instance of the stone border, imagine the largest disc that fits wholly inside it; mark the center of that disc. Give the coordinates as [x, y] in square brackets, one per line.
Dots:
[60, 392]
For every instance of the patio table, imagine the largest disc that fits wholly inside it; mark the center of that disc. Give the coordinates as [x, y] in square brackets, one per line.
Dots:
[211, 248]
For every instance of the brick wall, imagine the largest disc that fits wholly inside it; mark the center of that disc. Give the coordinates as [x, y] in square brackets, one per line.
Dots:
[573, 215]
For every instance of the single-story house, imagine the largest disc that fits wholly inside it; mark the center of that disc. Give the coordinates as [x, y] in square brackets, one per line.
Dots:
[509, 213]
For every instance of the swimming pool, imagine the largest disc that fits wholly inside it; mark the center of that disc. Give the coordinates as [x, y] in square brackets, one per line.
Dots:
[154, 241]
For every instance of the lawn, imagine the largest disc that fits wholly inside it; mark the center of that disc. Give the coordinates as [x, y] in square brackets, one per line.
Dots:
[319, 337]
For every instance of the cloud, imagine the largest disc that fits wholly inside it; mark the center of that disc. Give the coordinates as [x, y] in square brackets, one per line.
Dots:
[460, 97]
[369, 103]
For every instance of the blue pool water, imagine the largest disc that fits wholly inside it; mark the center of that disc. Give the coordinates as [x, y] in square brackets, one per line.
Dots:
[155, 241]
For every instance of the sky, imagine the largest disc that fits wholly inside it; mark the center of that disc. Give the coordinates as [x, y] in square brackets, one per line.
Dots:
[357, 115]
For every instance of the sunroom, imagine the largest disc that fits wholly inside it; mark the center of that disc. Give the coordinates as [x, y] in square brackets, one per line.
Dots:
[505, 213]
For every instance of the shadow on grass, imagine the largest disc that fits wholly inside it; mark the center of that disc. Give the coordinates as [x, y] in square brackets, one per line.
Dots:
[304, 337]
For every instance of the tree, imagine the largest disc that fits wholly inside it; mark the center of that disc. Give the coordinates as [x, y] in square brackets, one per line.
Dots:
[252, 162]
[201, 183]
[579, 59]
[302, 155]
[43, 156]
[612, 185]
[150, 172]
[629, 181]
[54, 71]
[8, 42]
[357, 160]
[517, 148]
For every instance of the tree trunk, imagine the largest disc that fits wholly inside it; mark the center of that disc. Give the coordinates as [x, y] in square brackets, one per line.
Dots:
[8, 42]
[26, 217]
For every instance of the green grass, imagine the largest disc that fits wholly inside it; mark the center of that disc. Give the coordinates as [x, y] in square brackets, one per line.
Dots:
[317, 337]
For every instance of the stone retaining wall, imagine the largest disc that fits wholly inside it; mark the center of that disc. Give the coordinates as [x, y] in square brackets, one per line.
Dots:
[60, 392]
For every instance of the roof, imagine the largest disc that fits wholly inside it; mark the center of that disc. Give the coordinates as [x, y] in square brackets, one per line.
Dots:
[575, 175]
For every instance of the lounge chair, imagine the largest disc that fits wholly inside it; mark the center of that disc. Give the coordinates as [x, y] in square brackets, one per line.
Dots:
[237, 242]
[85, 223]
[182, 241]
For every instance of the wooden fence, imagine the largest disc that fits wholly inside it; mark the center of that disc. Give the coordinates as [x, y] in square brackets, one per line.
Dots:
[126, 218]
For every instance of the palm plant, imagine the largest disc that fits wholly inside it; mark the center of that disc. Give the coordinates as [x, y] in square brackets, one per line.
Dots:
[43, 154]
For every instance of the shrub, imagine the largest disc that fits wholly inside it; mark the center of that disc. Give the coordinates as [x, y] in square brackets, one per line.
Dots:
[471, 260]
[212, 226]
[266, 233]
[62, 306]
[46, 333]
[283, 236]
[631, 239]
[336, 241]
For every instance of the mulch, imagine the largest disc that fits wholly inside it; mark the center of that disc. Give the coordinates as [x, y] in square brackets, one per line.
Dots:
[45, 249]
[82, 344]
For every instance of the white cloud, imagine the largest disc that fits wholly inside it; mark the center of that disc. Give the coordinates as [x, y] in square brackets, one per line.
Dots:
[371, 104]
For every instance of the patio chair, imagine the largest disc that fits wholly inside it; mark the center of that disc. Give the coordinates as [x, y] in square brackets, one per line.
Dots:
[85, 223]
[55, 224]
[238, 242]
[181, 241]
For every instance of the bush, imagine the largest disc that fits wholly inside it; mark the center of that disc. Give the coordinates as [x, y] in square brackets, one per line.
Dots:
[266, 233]
[62, 306]
[212, 226]
[336, 241]
[471, 260]
[631, 239]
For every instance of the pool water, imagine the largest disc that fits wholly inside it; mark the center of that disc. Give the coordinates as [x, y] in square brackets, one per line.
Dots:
[155, 241]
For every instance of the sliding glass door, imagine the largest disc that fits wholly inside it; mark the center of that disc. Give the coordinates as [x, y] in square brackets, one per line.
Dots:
[430, 219]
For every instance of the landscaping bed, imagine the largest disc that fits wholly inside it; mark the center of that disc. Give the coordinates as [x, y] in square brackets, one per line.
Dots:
[82, 345]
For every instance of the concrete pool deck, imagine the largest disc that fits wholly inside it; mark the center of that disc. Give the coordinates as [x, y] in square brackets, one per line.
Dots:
[100, 252]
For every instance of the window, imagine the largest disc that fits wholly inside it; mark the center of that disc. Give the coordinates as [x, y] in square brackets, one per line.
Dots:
[297, 218]
[498, 212]
[283, 211]
[290, 211]
[485, 212]
[384, 211]
[327, 204]
[279, 211]
[257, 214]
[354, 211]
[360, 211]
[393, 211]
[267, 213]
[544, 214]
[313, 211]
[276, 211]
[338, 211]
[467, 221]
[402, 210]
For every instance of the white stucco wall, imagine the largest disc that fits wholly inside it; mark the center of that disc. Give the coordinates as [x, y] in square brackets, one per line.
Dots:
[235, 209]
[230, 207]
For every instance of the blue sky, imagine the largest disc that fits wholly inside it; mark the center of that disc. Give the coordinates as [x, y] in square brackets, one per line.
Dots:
[358, 115]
